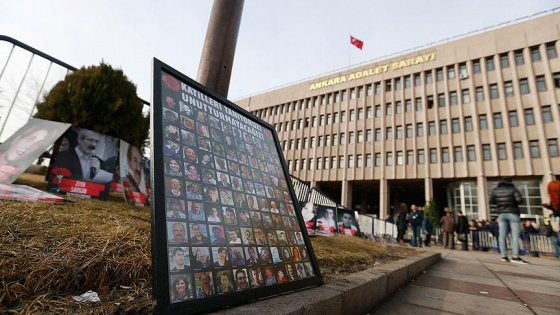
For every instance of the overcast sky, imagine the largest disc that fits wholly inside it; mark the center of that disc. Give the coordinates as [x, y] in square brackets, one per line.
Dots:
[280, 42]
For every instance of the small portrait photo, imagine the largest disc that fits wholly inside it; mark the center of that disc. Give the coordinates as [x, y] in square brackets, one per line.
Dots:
[304, 255]
[233, 235]
[224, 281]
[187, 123]
[221, 257]
[221, 164]
[281, 274]
[247, 137]
[211, 194]
[234, 168]
[214, 122]
[290, 272]
[204, 284]
[231, 155]
[275, 253]
[253, 162]
[239, 199]
[243, 159]
[256, 277]
[264, 255]
[264, 205]
[209, 176]
[299, 238]
[247, 236]
[291, 238]
[260, 238]
[192, 172]
[300, 270]
[177, 232]
[190, 155]
[347, 223]
[241, 279]
[286, 254]
[207, 160]
[201, 116]
[194, 190]
[228, 141]
[267, 220]
[173, 187]
[175, 209]
[283, 209]
[226, 128]
[269, 276]
[257, 176]
[259, 190]
[202, 129]
[236, 183]
[296, 256]
[173, 167]
[169, 102]
[170, 116]
[266, 179]
[237, 133]
[217, 235]
[252, 203]
[226, 197]
[181, 288]
[277, 221]
[272, 238]
[270, 192]
[243, 218]
[171, 132]
[249, 186]
[246, 172]
[204, 144]
[186, 109]
[223, 180]
[196, 211]
[251, 255]
[282, 239]
[230, 217]
[199, 234]
[218, 149]
[213, 214]
[256, 218]
[286, 222]
[274, 181]
[179, 260]
[237, 256]
[215, 134]
[295, 224]
[171, 149]
[240, 146]
[201, 258]
[290, 209]
[188, 138]
[309, 269]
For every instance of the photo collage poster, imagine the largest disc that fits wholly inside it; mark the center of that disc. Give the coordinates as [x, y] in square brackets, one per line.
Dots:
[84, 165]
[19, 151]
[231, 224]
[132, 174]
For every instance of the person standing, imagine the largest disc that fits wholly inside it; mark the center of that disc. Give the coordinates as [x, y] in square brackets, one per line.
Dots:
[553, 189]
[402, 222]
[428, 228]
[463, 230]
[507, 199]
[416, 219]
[448, 227]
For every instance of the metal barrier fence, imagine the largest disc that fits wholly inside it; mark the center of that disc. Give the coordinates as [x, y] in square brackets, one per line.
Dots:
[529, 243]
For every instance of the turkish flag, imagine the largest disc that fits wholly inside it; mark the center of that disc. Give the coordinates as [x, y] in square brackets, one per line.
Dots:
[356, 42]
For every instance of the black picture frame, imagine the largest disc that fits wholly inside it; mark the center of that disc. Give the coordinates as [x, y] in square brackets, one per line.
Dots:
[201, 110]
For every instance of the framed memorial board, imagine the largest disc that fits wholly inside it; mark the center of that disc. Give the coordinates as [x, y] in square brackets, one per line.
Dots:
[225, 226]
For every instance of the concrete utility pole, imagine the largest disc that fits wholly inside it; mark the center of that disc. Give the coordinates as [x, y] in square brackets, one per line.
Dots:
[216, 61]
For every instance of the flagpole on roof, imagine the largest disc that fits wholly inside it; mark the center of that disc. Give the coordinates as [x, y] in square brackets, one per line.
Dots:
[349, 51]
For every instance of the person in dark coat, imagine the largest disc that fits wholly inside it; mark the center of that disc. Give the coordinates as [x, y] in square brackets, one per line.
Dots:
[402, 222]
[416, 218]
[428, 228]
[462, 230]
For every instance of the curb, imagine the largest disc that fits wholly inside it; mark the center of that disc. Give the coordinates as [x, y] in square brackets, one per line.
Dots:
[355, 293]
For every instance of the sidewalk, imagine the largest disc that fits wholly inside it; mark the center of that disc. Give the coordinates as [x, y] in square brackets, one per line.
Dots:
[479, 283]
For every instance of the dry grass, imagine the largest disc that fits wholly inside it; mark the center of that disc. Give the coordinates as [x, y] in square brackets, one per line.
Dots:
[50, 252]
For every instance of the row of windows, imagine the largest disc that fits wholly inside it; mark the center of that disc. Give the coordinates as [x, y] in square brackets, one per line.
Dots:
[418, 105]
[429, 77]
[397, 132]
[443, 156]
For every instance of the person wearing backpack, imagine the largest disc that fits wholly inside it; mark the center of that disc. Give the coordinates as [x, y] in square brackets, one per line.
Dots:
[553, 189]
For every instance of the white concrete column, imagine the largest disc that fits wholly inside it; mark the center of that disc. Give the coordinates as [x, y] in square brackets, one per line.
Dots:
[483, 197]
[428, 190]
[383, 198]
[346, 194]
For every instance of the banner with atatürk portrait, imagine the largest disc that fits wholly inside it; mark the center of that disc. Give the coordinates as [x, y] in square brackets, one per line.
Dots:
[226, 229]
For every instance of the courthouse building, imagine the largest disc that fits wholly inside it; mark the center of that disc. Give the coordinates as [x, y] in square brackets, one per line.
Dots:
[444, 122]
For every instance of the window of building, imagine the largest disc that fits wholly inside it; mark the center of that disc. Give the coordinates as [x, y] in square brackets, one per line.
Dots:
[311, 164]
[445, 155]
[335, 118]
[388, 85]
[377, 134]
[322, 120]
[335, 139]
[476, 66]
[377, 87]
[534, 148]
[486, 153]
[453, 98]
[458, 154]
[420, 129]
[360, 135]
[508, 88]
[471, 156]
[441, 100]
[312, 144]
[482, 122]
[344, 95]
[360, 113]
[290, 165]
[377, 110]
[552, 147]
[369, 90]
[529, 116]
[429, 77]
[463, 70]
[502, 155]
[407, 82]
[313, 121]
[535, 54]
[524, 86]
[556, 79]
[389, 158]
[360, 92]
[468, 124]
[409, 157]
[319, 163]
[304, 164]
[320, 141]
[399, 158]
[494, 91]
[329, 119]
[431, 128]
[336, 97]
[297, 166]
[352, 115]
[551, 50]
[398, 107]
[368, 159]
[547, 114]
[342, 138]
[388, 109]
[504, 61]
[377, 159]
[306, 124]
[443, 127]
[479, 94]
[326, 164]
[420, 156]
[430, 101]
[369, 112]
[305, 143]
[513, 120]
[408, 106]
[398, 84]
[455, 126]
[351, 137]
[359, 161]
[417, 79]
[409, 131]
[518, 56]
[418, 102]
[490, 64]
[291, 144]
[541, 83]
[398, 132]
[368, 136]
[439, 74]
[389, 133]
[498, 124]
[350, 161]
[327, 140]
[433, 156]
[517, 150]
[451, 72]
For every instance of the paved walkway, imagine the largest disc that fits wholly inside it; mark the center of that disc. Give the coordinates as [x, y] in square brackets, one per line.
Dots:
[479, 283]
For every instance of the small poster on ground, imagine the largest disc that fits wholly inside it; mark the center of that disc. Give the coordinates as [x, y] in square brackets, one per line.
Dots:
[132, 175]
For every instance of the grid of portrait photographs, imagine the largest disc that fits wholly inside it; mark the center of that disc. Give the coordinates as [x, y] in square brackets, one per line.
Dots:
[231, 223]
